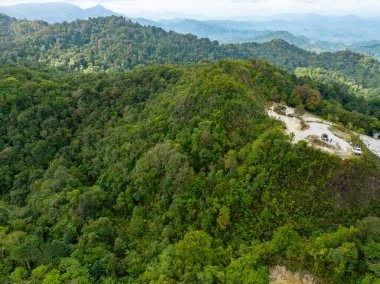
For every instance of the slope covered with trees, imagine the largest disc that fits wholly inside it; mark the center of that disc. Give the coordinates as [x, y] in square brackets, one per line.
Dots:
[172, 174]
[114, 44]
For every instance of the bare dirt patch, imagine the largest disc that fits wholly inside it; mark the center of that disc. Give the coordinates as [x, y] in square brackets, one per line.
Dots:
[280, 275]
[310, 128]
[316, 141]
[372, 144]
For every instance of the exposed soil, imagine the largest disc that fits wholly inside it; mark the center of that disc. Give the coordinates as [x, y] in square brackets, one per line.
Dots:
[372, 144]
[310, 128]
[280, 275]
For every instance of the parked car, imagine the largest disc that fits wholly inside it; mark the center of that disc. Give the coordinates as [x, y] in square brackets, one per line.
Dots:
[358, 151]
[325, 138]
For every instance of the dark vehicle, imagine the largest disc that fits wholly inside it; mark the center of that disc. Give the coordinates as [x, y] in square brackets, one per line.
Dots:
[325, 137]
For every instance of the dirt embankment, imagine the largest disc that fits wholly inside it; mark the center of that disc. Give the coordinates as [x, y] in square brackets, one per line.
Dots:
[280, 275]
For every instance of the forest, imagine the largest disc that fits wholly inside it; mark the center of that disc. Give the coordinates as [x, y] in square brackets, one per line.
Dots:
[133, 155]
[112, 44]
[175, 174]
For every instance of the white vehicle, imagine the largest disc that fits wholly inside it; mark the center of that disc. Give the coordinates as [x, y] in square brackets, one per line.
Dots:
[358, 151]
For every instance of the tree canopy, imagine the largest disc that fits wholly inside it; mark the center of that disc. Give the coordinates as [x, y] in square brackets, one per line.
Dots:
[171, 174]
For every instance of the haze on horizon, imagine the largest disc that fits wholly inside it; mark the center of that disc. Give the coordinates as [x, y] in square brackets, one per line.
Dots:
[227, 8]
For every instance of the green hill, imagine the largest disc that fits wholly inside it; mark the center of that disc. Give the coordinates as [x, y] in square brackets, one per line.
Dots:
[115, 44]
[172, 174]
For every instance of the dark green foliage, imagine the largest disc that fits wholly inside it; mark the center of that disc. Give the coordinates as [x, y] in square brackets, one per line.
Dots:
[173, 174]
[116, 44]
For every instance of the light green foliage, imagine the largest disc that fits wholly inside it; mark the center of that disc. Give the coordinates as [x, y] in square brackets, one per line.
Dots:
[248, 267]
[224, 218]
[73, 271]
[190, 260]
[283, 241]
[52, 277]
[38, 273]
[19, 274]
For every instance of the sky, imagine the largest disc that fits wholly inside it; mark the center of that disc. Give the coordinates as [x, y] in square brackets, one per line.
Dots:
[230, 8]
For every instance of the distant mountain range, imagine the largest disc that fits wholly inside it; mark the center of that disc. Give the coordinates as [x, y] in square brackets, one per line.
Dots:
[231, 32]
[311, 32]
[54, 12]
[116, 44]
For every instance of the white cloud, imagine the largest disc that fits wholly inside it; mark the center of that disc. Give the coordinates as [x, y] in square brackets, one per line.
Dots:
[248, 1]
[307, 1]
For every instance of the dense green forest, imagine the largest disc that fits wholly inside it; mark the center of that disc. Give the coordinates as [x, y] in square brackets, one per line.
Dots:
[331, 77]
[114, 44]
[175, 174]
[114, 169]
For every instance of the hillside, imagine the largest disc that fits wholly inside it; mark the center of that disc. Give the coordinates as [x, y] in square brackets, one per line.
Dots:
[114, 44]
[171, 174]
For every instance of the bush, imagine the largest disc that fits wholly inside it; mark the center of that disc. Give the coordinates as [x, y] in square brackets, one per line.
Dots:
[19, 274]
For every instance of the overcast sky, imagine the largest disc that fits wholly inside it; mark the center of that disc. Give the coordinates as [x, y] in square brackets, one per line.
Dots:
[233, 8]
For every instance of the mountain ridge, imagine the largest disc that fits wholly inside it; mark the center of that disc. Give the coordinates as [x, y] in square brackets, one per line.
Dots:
[312, 32]
[100, 45]
[55, 12]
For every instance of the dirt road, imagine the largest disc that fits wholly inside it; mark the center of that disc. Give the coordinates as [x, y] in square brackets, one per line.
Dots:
[312, 129]
[372, 144]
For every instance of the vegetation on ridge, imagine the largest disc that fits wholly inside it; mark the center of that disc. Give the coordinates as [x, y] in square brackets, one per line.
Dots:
[116, 44]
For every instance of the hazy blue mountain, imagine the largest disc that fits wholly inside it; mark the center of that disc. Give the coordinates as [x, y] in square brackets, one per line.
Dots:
[344, 30]
[235, 32]
[347, 29]
[168, 15]
[311, 32]
[54, 12]
[371, 48]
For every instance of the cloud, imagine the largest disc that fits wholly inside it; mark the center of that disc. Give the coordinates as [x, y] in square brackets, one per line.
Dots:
[248, 1]
[258, 1]
[71, 1]
[307, 1]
